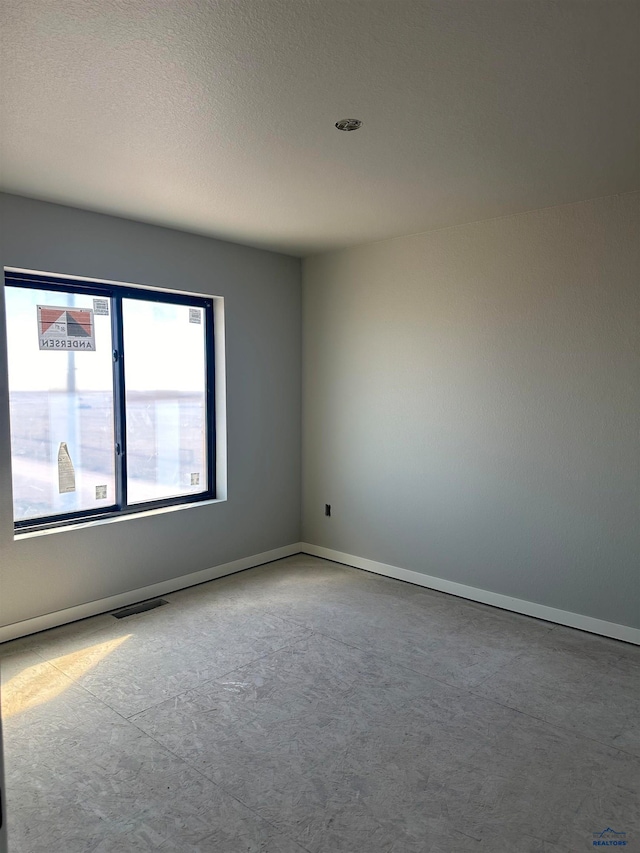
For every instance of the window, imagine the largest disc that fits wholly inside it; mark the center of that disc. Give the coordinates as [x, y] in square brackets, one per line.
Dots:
[111, 398]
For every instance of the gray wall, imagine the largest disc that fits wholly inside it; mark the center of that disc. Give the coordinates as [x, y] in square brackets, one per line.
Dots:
[262, 309]
[470, 405]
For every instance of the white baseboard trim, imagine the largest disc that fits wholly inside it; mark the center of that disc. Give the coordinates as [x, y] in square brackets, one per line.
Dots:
[517, 605]
[114, 602]
[505, 602]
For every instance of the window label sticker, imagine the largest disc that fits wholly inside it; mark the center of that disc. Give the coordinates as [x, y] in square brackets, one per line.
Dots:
[101, 493]
[101, 306]
[195, 315]
[195, 479]
[66, 329]
[66, 472]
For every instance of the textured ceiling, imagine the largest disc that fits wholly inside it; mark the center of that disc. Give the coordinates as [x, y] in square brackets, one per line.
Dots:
[217, 116]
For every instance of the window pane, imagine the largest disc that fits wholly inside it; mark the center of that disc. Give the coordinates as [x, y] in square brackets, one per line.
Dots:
[165, 381]
[61, 403]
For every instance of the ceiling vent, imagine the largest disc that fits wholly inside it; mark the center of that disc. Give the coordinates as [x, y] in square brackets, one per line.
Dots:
[349, 124]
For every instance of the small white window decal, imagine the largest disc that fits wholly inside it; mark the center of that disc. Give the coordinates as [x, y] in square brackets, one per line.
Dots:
[195, 315]
[66, 472]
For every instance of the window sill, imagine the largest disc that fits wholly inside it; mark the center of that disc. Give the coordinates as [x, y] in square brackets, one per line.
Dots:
[96, 522]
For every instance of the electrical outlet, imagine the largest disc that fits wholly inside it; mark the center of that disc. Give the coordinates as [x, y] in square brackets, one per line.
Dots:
[327, 509]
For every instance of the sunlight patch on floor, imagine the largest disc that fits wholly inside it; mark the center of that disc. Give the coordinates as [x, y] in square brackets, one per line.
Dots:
[44, 681]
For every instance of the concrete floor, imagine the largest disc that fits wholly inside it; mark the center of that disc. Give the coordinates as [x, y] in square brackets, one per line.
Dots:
[307, 706]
